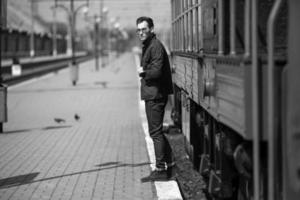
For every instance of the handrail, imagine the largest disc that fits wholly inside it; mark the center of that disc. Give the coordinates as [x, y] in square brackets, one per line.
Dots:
[270, 96]
[255, 107]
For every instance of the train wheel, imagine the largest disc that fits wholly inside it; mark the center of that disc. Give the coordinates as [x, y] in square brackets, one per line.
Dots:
[246, 191]
[243, 163]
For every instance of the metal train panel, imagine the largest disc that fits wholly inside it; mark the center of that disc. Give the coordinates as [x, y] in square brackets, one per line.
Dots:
[187, 76]
[179, 71]
[217, 86]
[235, 84]
[230, 95]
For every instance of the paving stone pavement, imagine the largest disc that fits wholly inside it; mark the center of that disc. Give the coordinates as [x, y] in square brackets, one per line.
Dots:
[64, 142]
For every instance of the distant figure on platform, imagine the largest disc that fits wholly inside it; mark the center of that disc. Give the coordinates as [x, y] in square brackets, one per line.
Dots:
[156, 85]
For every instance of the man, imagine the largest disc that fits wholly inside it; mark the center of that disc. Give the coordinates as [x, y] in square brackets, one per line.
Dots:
[156, 85]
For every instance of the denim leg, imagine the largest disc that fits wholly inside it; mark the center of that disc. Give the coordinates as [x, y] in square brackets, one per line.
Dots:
[155, 110]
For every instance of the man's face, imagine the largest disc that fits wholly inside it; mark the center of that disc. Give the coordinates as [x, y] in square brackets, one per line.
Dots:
[143, 30]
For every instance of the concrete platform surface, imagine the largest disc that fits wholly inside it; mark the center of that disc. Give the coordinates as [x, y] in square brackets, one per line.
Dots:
[64, 142]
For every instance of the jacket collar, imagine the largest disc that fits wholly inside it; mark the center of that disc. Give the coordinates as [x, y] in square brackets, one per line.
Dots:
[149, 39]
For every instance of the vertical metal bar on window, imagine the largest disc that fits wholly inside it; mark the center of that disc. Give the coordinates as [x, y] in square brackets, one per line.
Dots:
[232, 27]
[178, 39]
[200, 26]
[196, 25]
[271, 104]
[182, 25]
[177, 34]
[247, 28]
[220, 27]
[173, 24]
[176, 25]
[191, 25]
[186, 17]
[186, 26]
[179, 25]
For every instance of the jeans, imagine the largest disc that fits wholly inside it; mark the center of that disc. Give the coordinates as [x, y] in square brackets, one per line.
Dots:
[155, 110]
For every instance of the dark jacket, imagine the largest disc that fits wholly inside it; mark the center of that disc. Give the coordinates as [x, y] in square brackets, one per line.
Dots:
[156, 82]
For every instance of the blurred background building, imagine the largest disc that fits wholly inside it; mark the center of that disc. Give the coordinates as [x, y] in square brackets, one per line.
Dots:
[115, 15]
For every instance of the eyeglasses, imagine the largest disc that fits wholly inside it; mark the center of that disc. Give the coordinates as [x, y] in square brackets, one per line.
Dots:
[143, 30]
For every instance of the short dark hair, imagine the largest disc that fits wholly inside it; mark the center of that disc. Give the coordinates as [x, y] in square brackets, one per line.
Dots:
[147, 19]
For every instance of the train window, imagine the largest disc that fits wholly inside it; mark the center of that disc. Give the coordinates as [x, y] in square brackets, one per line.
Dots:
[186, 25]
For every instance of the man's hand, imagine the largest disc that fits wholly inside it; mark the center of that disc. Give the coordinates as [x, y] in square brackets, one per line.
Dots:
[141, 72]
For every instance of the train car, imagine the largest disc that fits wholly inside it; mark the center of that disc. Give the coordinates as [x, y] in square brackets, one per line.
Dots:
[16, 43]
[235, 72]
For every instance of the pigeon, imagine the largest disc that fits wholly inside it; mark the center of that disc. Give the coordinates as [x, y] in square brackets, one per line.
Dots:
[59, 120]
[76, 116]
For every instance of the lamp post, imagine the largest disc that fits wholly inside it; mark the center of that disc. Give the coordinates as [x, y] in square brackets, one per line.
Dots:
[54, 35]
[32, 52]
[104, 14]
[96, 38]
[74, 70]
[98, 21]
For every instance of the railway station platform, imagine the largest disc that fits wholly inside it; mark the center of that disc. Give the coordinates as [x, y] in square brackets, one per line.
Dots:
[88, 142]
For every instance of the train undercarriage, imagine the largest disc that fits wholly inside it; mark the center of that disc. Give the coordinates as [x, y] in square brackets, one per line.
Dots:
[213, 118]
[218, 153]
